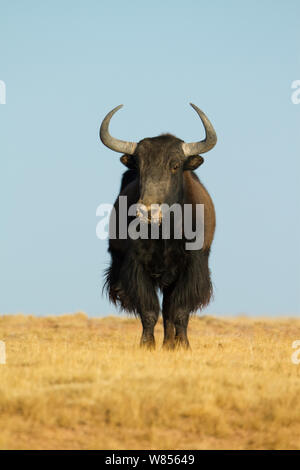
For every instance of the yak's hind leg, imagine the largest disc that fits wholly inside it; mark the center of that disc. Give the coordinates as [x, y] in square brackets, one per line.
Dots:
[168, 320]
[181, 321]
[175, 323]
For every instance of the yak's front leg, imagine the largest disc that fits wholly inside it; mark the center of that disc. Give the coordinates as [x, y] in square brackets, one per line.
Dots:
[139, 297]
[149, 320]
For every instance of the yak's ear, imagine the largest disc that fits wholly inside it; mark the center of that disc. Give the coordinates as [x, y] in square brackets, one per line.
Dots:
[193, 162]
[129, 161]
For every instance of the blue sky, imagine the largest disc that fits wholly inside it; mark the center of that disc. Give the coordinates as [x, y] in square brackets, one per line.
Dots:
[66, 64]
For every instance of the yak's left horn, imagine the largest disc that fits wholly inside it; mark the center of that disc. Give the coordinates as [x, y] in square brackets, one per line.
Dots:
[194, 148]
[121, 146]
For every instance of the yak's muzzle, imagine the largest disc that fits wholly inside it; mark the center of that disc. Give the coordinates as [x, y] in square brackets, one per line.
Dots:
[149, 213]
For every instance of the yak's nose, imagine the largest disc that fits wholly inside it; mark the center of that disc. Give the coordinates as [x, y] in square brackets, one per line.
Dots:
[149, 213]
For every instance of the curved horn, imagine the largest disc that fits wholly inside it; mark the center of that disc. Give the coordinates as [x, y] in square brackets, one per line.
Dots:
[194, 148]
[121, 146]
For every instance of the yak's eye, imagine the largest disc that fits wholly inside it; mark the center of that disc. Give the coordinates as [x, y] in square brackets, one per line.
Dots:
[175, 167]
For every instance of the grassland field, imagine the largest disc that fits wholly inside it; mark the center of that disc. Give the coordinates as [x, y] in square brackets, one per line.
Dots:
[74, 382]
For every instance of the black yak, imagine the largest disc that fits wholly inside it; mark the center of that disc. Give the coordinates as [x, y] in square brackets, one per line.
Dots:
[160, 172]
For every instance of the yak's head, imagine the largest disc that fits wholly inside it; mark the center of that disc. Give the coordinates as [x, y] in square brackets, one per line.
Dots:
[160, 162]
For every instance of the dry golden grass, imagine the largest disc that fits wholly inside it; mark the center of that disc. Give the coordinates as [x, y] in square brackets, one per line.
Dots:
[72, 382]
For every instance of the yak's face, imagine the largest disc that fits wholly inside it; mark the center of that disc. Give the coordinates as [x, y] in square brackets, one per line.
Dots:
[160, 162]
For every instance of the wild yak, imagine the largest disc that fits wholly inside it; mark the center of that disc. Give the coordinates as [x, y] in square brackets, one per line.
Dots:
[160, 171]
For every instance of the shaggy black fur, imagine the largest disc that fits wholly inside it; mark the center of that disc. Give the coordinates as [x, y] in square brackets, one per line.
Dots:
[139, 268]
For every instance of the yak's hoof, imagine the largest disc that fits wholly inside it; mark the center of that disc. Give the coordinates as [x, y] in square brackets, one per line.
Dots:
[182, 344]
[168, 345]
[147, 343]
